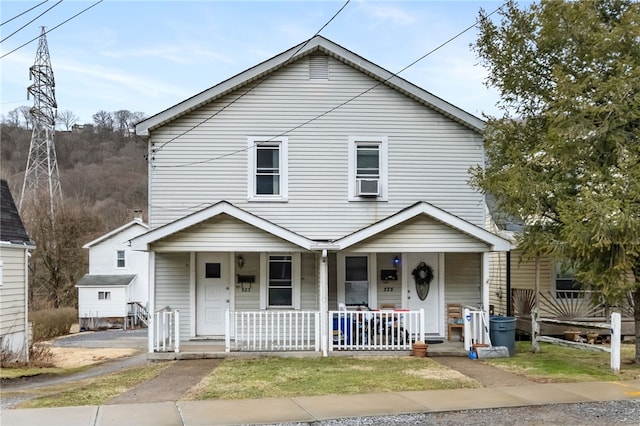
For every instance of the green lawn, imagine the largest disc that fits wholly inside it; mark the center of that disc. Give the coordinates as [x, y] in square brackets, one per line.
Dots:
[289, 377]
[562, 364]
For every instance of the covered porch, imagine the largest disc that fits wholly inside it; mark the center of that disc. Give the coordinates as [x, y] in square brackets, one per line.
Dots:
[225, 277]
[295, 333]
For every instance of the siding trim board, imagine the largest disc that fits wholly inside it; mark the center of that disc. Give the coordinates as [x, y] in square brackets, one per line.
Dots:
[494, 242]
[142, 242]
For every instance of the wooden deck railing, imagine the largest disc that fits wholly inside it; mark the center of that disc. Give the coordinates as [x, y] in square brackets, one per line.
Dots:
[272, 331]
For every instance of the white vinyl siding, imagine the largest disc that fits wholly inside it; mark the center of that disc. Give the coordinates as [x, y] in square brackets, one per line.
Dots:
[12, 292]
[308, 283]
[172, 287]
[223, 233]
[420, 234]
[103, 260]
[462, 278]
[102, 302]
[429, 155]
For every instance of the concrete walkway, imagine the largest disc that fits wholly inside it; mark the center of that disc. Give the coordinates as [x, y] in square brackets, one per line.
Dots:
[309, 409]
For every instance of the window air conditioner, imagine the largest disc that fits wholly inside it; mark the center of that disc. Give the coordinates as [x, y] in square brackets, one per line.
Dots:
[367, 187]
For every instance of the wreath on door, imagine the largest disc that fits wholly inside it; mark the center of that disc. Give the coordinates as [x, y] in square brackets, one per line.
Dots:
[423, 275]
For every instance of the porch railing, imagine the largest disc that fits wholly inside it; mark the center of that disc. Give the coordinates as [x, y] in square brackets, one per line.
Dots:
[272, 331]
[166, 334]
[476, 327]
[138, 314]
[375, 330]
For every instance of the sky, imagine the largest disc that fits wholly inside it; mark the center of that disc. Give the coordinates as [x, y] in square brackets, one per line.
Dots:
[146, 56]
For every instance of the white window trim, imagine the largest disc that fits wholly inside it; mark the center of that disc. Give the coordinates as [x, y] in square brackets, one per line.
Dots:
[373, 280]
[283, 142]
[296, 277]
[124, 252]
[383, 142]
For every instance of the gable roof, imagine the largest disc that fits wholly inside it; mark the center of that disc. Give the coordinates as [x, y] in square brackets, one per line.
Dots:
[12, 229]
[495, 242]
[134, 222]
[315, 44]
[223, 207]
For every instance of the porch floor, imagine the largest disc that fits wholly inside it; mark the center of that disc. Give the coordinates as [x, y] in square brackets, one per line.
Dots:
[206, 349]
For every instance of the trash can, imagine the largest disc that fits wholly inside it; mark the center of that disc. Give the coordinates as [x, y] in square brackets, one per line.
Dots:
[502, 331]
[341, 329]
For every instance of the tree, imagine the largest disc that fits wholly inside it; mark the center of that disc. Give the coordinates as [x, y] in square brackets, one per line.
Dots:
[103, 121]
[566, 156]
[67, 119]
[58, 261]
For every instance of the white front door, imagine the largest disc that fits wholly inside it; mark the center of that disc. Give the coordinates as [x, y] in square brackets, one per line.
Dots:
[431, 304]
[212, 293]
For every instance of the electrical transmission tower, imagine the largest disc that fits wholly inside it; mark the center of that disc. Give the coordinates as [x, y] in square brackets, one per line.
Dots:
[41, 177]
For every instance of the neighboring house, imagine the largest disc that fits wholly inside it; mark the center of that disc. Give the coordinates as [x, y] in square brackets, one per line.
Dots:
[513, 278]
[15, 244]
[114, 294]
[312, 181]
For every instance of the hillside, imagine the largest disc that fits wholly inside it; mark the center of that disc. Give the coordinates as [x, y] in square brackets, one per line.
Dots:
[103, 176]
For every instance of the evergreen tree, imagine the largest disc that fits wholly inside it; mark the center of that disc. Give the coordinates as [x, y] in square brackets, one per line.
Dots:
[566, 155]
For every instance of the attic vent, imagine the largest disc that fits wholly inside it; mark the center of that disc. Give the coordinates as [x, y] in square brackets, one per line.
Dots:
[318, 67]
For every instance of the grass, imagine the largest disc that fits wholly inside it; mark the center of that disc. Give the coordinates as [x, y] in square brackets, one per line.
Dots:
[17, 372]
[562, 364]
[94, 391]
[290, 377]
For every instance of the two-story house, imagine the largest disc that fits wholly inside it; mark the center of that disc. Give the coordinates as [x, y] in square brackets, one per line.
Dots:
[114, 294]
[313, 181]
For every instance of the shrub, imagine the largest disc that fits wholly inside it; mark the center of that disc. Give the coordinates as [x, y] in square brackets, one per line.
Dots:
[50, 323]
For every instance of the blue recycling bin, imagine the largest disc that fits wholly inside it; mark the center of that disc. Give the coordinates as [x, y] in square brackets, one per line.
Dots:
[502, 331]
[341, 329]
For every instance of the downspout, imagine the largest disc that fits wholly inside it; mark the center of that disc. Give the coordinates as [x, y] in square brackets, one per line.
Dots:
[324, 304]
[509, 283]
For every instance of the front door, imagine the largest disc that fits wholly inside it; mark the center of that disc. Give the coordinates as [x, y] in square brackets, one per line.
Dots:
[212, 293]
[431, 303]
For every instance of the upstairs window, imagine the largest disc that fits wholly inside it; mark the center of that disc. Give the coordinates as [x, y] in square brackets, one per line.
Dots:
[104, 295]
[120, 259]
[368, 168]
[268, 168]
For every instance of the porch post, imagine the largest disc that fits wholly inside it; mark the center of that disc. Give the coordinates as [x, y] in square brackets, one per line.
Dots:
[485, 282]
[151, 306]
[324, 304]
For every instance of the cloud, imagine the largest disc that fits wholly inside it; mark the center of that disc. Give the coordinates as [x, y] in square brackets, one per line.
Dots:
[387, 13]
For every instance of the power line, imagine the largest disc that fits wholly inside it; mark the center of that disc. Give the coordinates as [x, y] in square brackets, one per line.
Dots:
[248, 90]
[25, 25]
[393, 75]
[26, 11]
[47, 32]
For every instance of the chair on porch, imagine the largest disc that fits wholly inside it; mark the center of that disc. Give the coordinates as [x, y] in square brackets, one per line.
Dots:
[454, 320]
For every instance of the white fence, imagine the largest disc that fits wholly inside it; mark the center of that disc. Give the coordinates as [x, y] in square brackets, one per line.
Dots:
[166, 335]
[272, 331]
[476, 328]
[375, 330]
[614, 327]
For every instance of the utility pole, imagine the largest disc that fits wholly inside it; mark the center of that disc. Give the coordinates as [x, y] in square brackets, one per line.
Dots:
[41, 175]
